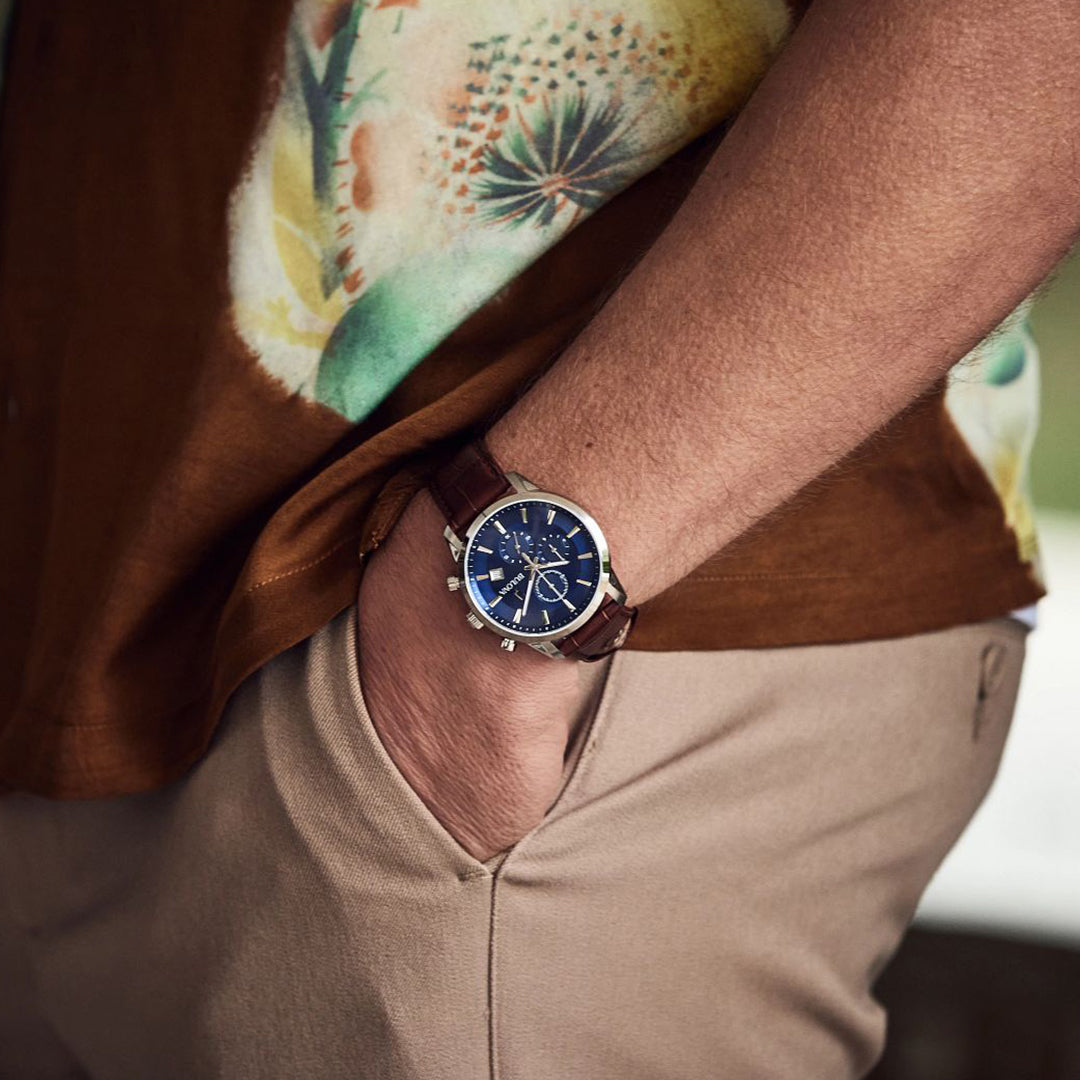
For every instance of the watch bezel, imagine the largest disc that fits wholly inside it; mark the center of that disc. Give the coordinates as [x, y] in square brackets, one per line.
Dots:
[604, 587]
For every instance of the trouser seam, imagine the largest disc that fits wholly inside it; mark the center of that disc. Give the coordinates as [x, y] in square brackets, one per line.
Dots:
[588, 738]
[493, 1064]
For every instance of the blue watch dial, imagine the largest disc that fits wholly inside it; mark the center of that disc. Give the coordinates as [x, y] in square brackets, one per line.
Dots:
[532, 567]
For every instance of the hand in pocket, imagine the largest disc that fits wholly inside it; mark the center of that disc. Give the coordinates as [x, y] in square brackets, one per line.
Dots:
[479, 733]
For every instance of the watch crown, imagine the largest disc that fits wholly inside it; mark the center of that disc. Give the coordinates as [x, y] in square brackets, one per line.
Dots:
[474, 621]
[508, 644]
[453, 583]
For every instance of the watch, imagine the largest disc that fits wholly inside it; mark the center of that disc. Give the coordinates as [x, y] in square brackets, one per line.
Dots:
[534, 566]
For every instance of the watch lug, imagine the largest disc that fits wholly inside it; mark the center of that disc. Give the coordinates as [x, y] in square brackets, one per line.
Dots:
[456, 546]
[519, 483]
[548, 648]
[615, 590]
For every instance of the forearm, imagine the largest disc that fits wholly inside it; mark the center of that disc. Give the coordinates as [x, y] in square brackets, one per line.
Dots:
[902, 178]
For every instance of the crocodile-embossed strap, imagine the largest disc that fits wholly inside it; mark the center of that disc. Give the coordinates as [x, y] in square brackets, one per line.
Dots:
[470, 482]
[605, 632]
[466, 484]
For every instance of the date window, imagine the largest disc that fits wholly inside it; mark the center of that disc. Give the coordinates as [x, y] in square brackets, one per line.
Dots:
[497, 573]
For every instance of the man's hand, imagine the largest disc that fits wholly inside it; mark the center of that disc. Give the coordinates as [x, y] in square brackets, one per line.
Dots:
[479, 733]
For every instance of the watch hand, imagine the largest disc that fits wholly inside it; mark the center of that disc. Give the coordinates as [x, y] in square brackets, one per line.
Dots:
[552, 565]
[528, 592]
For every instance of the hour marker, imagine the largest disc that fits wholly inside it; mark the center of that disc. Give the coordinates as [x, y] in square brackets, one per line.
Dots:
[567, 603]
[582, 581]
[499, 525]
[575, 529]
[494, 601]
[517, 615]
[497, 573]
[481, 577]
[525, 515]
[551, 516]
[547, 617]
[587, 555]
[486, 551]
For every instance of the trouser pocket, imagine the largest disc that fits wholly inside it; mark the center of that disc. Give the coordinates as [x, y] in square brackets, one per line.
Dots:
[406, 813]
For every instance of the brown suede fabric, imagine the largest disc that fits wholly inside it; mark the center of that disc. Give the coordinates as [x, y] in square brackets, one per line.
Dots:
[172, 518]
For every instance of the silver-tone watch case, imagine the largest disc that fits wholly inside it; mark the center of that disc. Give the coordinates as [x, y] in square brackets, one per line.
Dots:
[546, 643]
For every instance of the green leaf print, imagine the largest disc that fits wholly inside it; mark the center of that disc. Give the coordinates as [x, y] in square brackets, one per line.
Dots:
[397, 321]
[325, 98]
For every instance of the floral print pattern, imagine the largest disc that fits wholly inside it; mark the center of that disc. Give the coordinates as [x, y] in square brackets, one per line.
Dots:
[422, 153]
[993, 399]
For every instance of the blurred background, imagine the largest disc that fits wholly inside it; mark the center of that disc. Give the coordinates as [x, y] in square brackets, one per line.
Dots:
[987, 985]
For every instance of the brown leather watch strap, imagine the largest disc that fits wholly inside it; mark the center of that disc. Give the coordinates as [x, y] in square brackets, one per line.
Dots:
[605, 632]
[468, 482]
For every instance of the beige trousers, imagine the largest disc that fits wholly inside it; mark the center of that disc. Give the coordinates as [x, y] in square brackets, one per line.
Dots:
[737, 849]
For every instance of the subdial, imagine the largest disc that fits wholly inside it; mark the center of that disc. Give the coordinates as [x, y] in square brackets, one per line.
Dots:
[552, 547]
[551, 585]
[516, 544]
